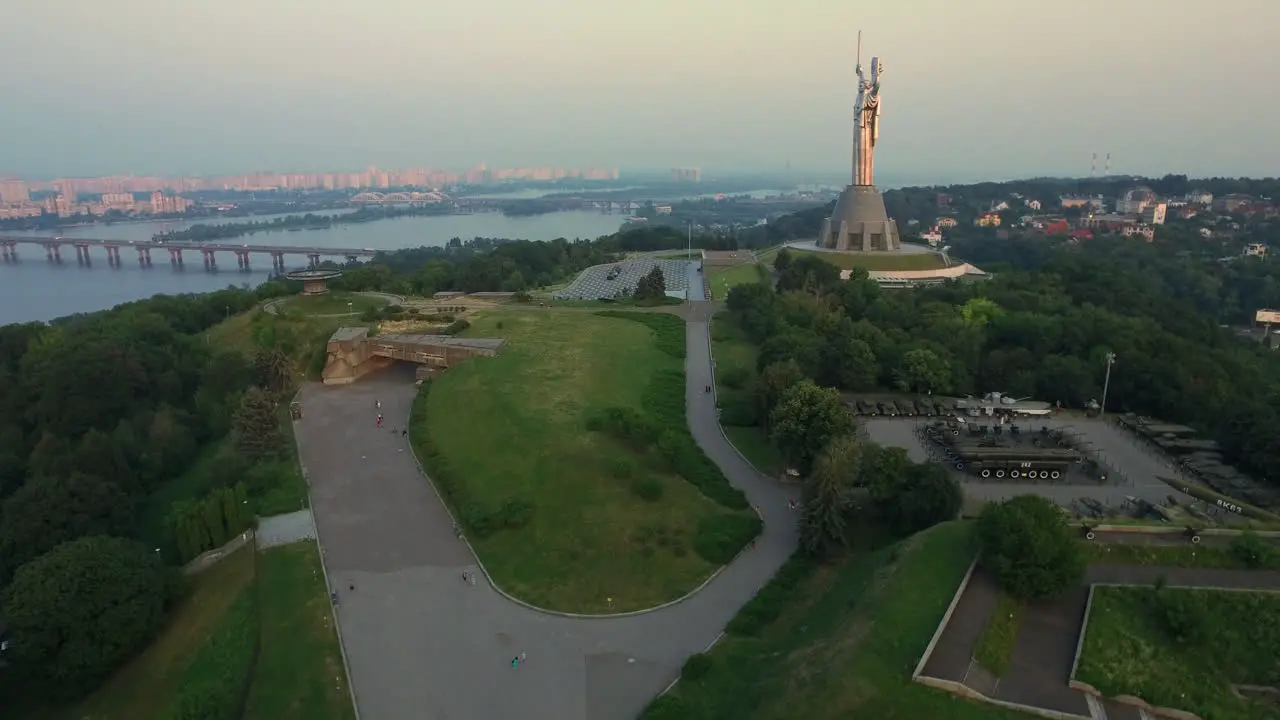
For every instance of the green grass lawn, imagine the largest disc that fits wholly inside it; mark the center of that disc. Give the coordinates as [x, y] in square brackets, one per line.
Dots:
[897, 261]
[1132, 647]
[845, 644]
[334, 303]
[299, 672]
[755, 445]
[146, 686]
[723, 279]
[995, 646]
[513, 427]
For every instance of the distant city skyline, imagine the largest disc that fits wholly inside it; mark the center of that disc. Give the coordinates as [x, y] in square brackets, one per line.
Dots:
[984, 89]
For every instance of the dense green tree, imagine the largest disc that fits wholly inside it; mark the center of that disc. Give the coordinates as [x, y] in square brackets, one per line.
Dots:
[256, 427]
[98, 456]
[271, 370]
[923, 371]
[925, 495]
[51, 456]
[79, 611]
[1029, 548]
[652, 286]
[52, 510]
[773, 382]
[822, 524]
[806, 418]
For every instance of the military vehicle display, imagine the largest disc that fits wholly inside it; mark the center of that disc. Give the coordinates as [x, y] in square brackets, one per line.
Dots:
[1006, 451]
[995, 403]
[900, 407]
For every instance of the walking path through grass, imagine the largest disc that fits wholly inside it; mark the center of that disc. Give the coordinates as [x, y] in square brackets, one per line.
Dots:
[423, 642]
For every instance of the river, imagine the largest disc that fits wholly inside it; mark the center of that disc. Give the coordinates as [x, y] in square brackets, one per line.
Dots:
[34, 289]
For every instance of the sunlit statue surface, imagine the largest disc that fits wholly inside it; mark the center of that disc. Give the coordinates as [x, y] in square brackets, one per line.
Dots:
[866, 125]
[859, 221]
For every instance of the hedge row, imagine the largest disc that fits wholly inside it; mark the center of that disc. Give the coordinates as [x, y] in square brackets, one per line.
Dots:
[768, 603]
[663, 426]
[753, 617]
[674, 446]
[208, 523]
[216, 683]
[478, 520]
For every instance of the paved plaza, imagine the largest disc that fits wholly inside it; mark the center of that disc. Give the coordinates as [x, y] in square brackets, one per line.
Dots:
[1132, 466]
[423, 643]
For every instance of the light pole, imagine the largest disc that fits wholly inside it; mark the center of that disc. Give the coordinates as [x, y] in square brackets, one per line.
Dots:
[1106, 383]
[688, 258]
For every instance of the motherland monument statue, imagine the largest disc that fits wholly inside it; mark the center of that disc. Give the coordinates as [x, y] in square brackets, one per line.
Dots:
[859, 221]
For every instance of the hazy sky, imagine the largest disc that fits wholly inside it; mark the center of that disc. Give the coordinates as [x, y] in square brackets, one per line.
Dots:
[972, 88]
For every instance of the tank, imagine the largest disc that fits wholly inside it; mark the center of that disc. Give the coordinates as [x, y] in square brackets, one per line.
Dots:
[888, 408]
[866, 407]
[924, 407]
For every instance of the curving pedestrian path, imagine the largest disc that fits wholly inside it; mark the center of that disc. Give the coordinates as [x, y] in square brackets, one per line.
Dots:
[421, 642]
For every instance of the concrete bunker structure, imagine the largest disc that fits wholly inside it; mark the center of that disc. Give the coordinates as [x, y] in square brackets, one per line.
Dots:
[351, 353]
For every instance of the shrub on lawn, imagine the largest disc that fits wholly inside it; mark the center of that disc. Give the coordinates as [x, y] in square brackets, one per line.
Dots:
[696, 667]
[720, 537]
[1182, 615]
[513, 515]
[735, 378]
[1252, 551]
[764, 607]
[622, 468]
[667, 707]
[738, 409]
[456, 327]
[647, 489]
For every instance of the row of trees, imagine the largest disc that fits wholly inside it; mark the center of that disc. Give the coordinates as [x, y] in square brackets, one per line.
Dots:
[208, 523]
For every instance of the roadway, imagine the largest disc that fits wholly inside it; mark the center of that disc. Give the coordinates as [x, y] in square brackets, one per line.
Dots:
[421, 642]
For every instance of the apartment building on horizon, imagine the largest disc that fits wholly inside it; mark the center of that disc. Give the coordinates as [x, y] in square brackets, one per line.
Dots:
[13, 190]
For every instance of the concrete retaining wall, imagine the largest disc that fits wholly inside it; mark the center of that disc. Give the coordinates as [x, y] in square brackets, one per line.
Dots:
[946, 618]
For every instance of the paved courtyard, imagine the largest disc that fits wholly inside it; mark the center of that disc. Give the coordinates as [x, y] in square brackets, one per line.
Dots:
[422, 643]
[1047, 638]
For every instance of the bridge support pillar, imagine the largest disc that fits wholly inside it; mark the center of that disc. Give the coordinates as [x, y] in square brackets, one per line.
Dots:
[53, 253]
[82, 255]
[277, 263]
[242, 260]
[9, 252]
[144, 257]
[175, 257]
[210, 262]
[113, 255]
[313, 260]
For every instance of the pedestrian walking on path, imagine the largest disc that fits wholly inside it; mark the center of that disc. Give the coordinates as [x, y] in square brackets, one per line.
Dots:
[379, 419]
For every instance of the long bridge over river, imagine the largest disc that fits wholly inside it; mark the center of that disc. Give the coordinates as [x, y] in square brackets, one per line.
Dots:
[84, 246]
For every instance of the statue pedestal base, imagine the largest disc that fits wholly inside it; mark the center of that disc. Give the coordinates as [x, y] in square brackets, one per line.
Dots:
[860, 223]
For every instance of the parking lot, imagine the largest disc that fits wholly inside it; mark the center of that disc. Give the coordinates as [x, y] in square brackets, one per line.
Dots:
[1130, 467]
